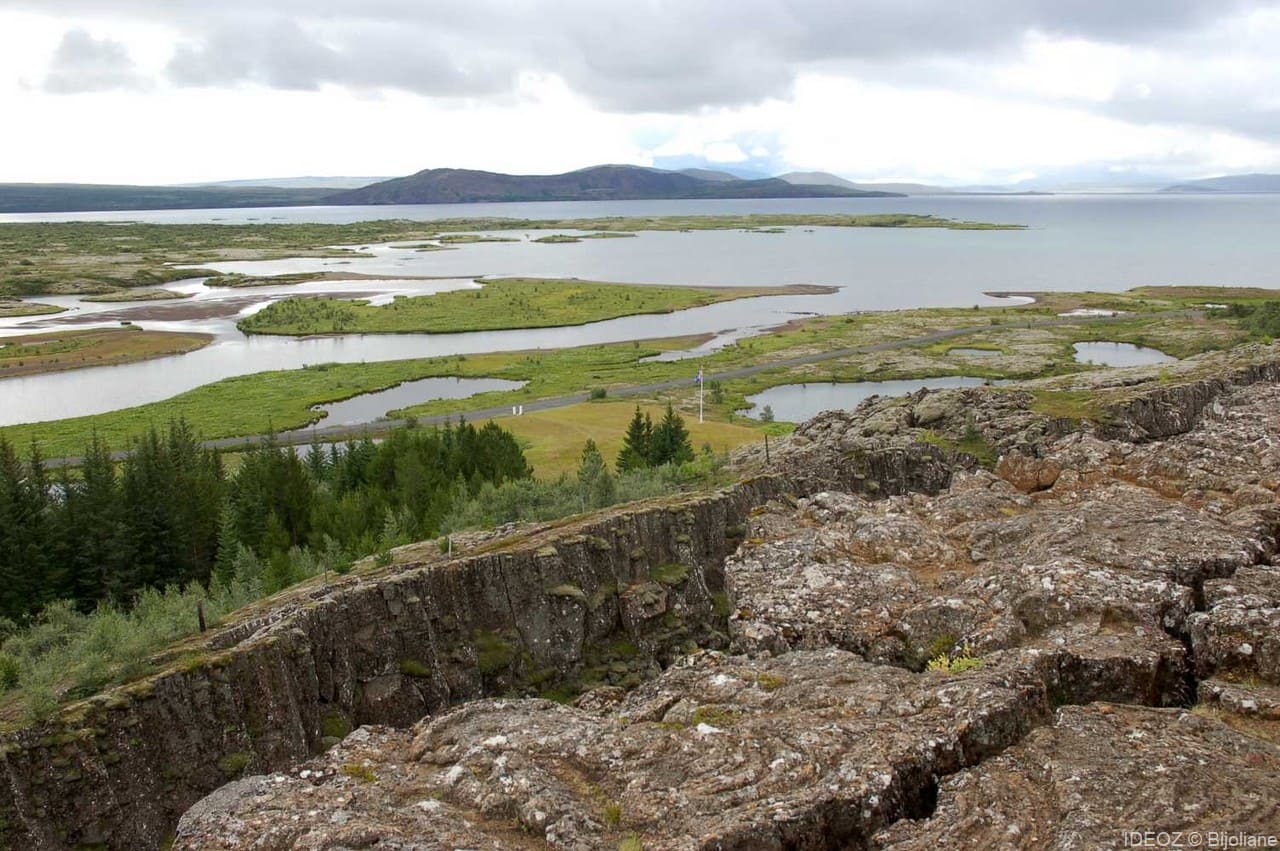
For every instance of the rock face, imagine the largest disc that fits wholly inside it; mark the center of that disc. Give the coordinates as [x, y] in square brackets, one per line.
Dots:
[608, 599]
[996, 629]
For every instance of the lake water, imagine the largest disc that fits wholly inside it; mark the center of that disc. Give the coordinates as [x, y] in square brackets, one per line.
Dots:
[795, 403]
[369, 407]
[1119, 354]
[1073, 243]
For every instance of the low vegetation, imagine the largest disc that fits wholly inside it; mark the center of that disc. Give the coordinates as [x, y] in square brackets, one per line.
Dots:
[105, 570]
[499, 304]
[10, 307]
[58, 350]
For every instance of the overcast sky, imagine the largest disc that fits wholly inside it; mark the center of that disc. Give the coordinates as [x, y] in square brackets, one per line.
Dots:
[162, 91]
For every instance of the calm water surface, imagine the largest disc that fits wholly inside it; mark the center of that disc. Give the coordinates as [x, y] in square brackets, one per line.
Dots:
[1073, 243]
[1119, 354]
[796, 403]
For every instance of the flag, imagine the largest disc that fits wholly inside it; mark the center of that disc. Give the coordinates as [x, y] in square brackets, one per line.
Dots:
[698, 380]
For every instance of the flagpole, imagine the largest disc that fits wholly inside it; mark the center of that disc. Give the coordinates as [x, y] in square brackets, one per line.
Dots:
[701, 384]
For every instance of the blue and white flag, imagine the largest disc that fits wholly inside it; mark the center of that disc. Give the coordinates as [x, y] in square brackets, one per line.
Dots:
[698, 380]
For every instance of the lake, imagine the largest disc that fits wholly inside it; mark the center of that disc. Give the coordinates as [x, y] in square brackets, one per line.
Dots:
[1119, 354]
[795, 403]
[1074, 242]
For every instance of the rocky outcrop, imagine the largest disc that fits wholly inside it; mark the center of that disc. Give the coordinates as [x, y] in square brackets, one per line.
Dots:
[1101, 776]
[923, 585]
[608, 599]
[963, 655]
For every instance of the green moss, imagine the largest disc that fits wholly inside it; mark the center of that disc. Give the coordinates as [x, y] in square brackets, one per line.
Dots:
[670, 574]
[1072, 405]
[770, 682]
[569, 590]
[414, 668]
[631, 843]
[363, 773]
[715, 716]
[334, 724]
[234, 764]
[956, 664]
[493, 652]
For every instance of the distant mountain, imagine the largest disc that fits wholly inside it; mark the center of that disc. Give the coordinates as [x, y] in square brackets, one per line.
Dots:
[824, 178]
[599, 183]
[334, 183]
[816, 178]
[709, 174]
[1230, 183]
[84, 197]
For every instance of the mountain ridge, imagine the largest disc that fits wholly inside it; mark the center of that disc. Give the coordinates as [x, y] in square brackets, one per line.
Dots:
[603, 183]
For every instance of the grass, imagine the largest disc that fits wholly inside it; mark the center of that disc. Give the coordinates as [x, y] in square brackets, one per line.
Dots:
[59, 350]
[499, 304]
[10, 307]
[136, 294]
[553, 439]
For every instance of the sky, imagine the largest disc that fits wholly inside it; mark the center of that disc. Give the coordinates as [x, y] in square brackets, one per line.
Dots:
[939, 91]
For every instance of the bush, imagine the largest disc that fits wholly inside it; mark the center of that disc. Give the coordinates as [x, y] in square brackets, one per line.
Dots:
[599, 393]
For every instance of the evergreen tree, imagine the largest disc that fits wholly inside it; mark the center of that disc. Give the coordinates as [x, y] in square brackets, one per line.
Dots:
[224, 566]
[671, 443]
[637, 444]
[596, 487]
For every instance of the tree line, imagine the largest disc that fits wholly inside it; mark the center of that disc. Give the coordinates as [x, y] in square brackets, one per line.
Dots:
[169, 514]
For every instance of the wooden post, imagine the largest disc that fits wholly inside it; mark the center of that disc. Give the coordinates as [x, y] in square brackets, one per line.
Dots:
[200, 615]
[767, 459]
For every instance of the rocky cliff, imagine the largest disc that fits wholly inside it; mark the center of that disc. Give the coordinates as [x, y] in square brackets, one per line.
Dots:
[961, 619]
[605, 600]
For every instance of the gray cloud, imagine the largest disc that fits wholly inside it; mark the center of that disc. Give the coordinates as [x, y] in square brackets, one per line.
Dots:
[670, 55]
[83, 63]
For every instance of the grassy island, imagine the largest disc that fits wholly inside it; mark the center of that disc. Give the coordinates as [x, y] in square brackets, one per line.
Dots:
[501, 303]
[58, 350]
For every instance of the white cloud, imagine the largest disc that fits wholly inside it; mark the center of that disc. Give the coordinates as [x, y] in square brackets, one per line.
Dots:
[930, 90]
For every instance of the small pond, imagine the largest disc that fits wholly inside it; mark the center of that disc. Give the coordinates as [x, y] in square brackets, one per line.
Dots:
[369, 407]
[796, 403]
[1119, 354]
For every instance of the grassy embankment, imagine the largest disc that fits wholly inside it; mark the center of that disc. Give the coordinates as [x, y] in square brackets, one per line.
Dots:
[59, 350]
[136, 294]
[501, 303]
[100, 257]
[253, 404]
[10, 307]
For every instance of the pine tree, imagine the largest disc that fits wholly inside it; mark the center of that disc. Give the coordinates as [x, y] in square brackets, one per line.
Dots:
[671, 443]
[224, 566]
[637, 445]
[596, 487]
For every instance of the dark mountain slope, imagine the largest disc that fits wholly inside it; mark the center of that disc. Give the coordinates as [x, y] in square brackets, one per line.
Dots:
[600, 183]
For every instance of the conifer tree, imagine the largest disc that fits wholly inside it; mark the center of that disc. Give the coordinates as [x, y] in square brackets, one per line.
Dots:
[671, 443]
[637, 444]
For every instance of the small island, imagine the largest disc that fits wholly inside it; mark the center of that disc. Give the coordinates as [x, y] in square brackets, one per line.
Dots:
[500, 304]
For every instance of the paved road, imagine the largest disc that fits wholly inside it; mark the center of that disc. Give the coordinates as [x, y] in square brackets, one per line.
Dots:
[341, 432]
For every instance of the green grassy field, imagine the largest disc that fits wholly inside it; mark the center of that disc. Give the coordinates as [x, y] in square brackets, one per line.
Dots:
[553, 440]
[499, 304]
